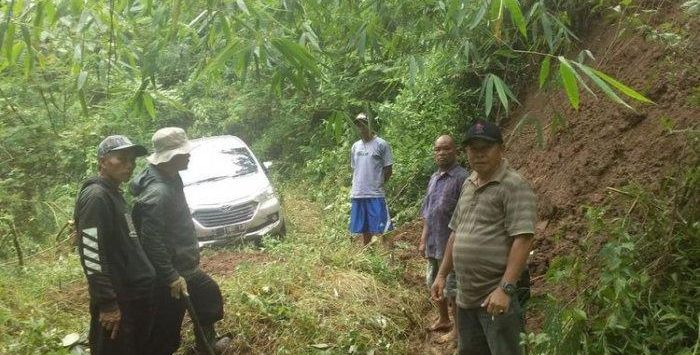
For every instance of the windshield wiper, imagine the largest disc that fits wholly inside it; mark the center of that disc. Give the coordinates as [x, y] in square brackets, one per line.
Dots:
[216, 178]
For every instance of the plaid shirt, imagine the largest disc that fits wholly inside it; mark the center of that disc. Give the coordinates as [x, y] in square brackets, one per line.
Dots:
[440, 201]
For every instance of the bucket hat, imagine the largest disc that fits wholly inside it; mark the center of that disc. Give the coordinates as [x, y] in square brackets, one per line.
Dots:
[167, 143]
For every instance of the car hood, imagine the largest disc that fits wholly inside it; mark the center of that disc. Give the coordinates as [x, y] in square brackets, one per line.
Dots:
[228, 190]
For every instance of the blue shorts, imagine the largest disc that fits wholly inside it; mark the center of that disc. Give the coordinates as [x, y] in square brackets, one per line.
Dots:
[369, 215]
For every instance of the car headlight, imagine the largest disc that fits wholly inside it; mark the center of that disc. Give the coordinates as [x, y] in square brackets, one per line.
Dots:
[267, 194]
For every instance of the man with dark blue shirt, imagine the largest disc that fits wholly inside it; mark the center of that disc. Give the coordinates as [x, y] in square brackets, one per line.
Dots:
[441, 198]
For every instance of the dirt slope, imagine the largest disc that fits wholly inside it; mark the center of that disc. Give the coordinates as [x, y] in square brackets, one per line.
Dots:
[605, 144]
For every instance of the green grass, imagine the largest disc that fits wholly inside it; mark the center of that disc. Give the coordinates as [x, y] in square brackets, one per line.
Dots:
[318, 289]
[41, 303]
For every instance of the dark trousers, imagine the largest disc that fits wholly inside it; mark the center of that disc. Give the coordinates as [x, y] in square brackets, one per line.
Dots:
[483, 334]
[206, 299]
[134, 329]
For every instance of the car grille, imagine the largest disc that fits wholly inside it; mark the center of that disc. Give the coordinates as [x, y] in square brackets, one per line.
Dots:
[225, 215]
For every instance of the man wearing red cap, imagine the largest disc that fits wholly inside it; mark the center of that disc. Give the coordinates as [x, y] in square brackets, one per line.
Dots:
[492, 230]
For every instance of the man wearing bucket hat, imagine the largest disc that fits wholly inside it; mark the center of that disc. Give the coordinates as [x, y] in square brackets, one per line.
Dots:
[164, 223]
[119, 275]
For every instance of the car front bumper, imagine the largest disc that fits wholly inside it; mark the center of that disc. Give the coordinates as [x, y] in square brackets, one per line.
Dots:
[267, 219]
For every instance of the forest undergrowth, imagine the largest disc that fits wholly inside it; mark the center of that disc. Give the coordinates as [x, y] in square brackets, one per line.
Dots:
[312, 291]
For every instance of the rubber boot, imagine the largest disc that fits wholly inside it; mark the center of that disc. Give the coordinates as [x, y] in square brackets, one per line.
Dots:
[218, 345]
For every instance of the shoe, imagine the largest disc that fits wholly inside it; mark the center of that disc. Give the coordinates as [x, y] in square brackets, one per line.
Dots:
[221, 345]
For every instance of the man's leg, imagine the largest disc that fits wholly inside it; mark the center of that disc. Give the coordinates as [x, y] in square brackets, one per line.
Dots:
[472, 340]
[358, 219]
[377, 219]
[134, 330]
[451, 293]
[503, 331]
[366, 238]
[208, 303]
[443, 321]
[167, 322]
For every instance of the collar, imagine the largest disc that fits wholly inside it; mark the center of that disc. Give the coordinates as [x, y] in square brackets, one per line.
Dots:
[449, 171]
[109, 184]
[497, 176]
[159, 175]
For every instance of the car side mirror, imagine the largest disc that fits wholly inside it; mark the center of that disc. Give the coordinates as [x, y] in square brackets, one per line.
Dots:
[267, 165]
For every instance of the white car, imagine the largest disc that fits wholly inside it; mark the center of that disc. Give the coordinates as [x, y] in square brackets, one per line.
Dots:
[229, 194]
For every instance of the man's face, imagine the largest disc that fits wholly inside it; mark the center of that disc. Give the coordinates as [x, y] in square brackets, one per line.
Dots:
[484, 156]
[445, 152]
[180, 161]
[362, 128]
[118, 166]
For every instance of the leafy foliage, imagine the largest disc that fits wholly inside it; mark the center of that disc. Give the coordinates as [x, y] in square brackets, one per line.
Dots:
[643, 299]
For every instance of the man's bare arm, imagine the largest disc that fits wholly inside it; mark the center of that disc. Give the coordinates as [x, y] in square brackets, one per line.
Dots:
[447, 265]
[517, 257]
[387, 173]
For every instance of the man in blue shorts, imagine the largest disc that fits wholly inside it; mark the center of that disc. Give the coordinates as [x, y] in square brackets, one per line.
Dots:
[371, 160]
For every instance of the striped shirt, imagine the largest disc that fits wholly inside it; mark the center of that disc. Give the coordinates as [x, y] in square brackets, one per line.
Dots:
[485, 220]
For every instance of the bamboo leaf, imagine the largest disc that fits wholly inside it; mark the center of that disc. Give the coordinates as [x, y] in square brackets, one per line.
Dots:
[9, 41]
[601, 84]
[544, 70]
[81, 80]
[83, 102]
[501, 92]
[296, 54]
[547, 28]
[243, 7]
[488, 95]
[222, 57]
[479, 15]
[361, 41]
[148, 104]
[568, 78]
[516, 15]
[172, 102]
[496, 17]
[29, 58]
[622, 87]
[175, 19]
[412, 70]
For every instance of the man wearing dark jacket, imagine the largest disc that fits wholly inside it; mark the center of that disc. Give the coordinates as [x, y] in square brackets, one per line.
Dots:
[164, 223]
[119, 275]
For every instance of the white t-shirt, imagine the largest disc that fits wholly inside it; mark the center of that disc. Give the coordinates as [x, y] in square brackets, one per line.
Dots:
[368, 160]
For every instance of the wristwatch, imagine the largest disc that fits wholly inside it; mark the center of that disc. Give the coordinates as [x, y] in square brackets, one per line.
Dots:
[508, 288]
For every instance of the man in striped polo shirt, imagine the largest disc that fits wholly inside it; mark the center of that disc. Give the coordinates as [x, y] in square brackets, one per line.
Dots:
[492, 229]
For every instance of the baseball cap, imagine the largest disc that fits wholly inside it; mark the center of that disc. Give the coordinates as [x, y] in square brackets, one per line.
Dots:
[167, 143]
[483, 130]
[119, 142]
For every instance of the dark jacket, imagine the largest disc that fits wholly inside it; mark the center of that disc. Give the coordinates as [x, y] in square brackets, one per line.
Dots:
[163, 221]
[114, 263]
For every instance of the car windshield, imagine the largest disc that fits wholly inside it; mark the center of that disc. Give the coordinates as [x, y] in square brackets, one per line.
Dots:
[216, 161]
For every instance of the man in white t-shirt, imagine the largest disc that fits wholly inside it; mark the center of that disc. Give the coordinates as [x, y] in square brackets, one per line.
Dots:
[371, 160]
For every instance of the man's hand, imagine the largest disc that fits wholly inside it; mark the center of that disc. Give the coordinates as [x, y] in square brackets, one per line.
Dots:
[110, 321]
[421, 248]
[497, 302]
[436, 292]
[178, 287]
